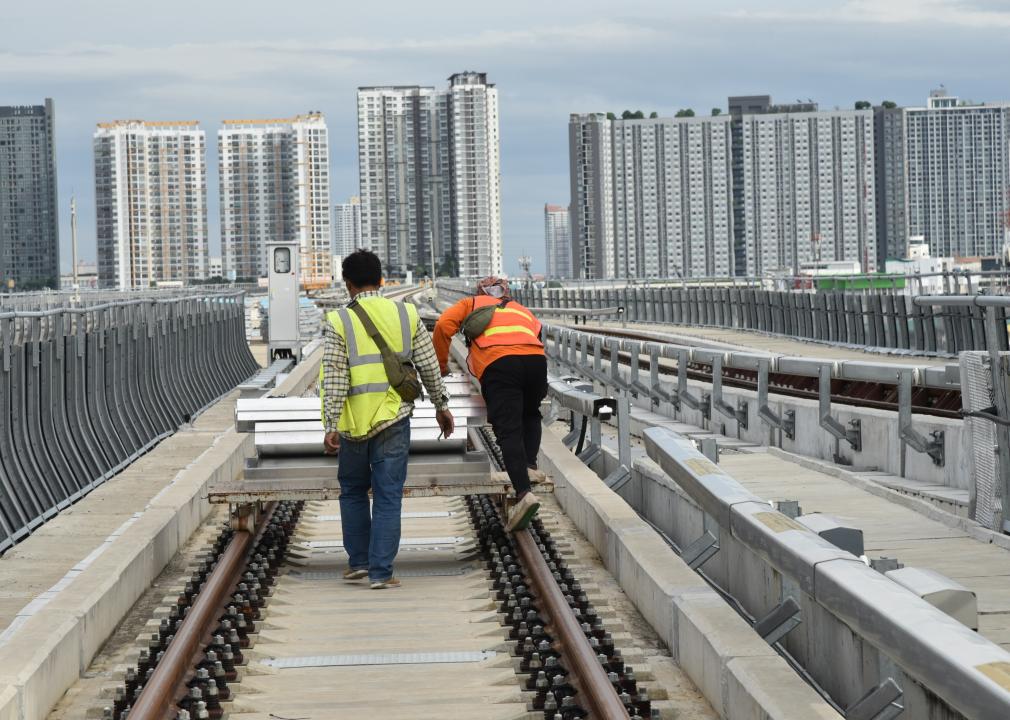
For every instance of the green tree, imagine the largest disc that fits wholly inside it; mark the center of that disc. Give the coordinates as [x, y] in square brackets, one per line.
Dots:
[654, 114]
[626, 115]
[611, 116]
[716, 111]
[687, 112]
[863, 105]
[889, 104]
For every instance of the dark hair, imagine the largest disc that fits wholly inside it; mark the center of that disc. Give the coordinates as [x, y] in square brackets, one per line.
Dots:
[362, 268]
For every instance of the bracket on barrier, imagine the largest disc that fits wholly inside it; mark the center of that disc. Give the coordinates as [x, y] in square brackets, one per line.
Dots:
[622, 473]
[787, 422]
[697, 553]
[738, 413]
[779, 622]
[909, 435]
[655, 388]
[851, 434]
[683, 394]
[882, 703]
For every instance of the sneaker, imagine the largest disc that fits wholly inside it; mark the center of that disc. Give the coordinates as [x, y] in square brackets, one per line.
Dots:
[386, 584]
[522, 512]
[351, 574]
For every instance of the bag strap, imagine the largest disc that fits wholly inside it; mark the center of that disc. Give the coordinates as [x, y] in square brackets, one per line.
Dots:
[366, 321]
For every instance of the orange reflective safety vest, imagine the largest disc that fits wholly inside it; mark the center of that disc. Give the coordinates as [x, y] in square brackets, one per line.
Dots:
[510, 325]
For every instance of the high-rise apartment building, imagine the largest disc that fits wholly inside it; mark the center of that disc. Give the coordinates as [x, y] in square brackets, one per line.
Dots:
[429, 176]
[765, 188]
[651, 198]
[346, 227]
[890, 186]
[592, 205]
[957, 170]
[150, 202]
[475, 178]
[275, 185]
[558, 242]
[403, 177]
[808, 189]
[29, 219]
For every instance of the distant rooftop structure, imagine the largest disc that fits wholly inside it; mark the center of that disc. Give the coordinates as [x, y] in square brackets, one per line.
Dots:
[762, 105]
[307, 117]
[939, 98]
[153, 124]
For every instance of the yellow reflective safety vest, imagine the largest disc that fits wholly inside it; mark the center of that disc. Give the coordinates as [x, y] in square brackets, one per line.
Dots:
[370, 400]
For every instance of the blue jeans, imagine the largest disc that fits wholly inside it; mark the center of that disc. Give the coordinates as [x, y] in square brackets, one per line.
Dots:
[380, 464]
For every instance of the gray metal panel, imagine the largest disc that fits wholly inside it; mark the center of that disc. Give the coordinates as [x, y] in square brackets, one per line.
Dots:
[969, 673]
[710, 487]
[802, 366]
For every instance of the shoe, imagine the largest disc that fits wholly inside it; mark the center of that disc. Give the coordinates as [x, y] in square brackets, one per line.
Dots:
[351, 574]
[537, 477]
[522, 512]
[385, 584]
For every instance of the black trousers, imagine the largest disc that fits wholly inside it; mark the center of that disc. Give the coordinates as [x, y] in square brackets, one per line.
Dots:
[513, 387]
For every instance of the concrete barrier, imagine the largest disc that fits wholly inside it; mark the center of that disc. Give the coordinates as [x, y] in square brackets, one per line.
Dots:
[50, 650]
[739, 673]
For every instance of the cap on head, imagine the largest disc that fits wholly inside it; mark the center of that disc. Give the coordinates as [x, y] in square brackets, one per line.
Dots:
[494, 286]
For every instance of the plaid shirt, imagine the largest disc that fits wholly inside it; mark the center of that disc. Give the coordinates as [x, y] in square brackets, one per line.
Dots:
[337, 376]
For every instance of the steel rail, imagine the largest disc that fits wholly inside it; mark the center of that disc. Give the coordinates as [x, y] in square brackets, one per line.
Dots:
[159, 693]
[597, 695]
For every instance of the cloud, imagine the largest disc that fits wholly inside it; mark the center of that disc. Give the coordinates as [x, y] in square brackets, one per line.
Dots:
[889, 12]
[231, 61]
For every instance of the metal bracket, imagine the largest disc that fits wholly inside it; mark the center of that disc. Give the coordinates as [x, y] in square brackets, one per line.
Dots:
[709, 447]
[787, 422]
[738, 413]
[618, 478]
[789, 508]
[909, 435]
[683, 394]
[885, 564]
[882, 703]
[851, 434]
[698, 552]
[779, 622]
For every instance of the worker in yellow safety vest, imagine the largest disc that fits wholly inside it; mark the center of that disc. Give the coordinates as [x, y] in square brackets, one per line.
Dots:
[375, 348]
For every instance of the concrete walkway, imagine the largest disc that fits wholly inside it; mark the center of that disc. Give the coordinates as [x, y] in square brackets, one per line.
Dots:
[889, 529]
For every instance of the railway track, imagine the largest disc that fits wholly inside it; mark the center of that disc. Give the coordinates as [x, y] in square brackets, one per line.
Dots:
[925, 400]
[265, 626]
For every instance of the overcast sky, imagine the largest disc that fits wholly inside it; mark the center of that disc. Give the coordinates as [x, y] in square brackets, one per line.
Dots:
[216, 59]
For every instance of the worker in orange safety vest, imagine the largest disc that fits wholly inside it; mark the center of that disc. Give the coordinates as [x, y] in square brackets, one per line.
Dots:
[507, 357]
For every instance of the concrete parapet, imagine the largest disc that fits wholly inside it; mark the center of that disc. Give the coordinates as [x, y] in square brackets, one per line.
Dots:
[50, 650]
[713, 644]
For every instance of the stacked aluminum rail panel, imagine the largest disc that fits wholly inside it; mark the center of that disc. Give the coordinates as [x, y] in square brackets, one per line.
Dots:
[290, 462]
[86, 388]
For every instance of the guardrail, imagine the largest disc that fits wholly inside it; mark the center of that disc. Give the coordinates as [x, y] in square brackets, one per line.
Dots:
[588, 410]
[888, 322]
[584, 353]
[967, 672]
[85, 390]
